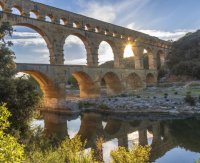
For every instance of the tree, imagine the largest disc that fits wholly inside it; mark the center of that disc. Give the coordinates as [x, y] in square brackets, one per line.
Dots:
[19, 94]
[184, 58]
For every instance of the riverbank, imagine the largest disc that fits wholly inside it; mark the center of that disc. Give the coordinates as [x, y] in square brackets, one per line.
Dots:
[164, 99]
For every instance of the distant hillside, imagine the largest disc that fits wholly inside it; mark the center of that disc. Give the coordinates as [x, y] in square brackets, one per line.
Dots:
[184, 59]
[127, 63]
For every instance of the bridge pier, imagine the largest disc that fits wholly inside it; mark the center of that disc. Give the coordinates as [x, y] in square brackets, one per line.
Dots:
[123, 141]
[55, 125]
[143, 137]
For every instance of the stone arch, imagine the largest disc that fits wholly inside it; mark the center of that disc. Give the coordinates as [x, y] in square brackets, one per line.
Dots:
[113, 83]
[85, 42]
[76, 24]
[150, 79]
[18, 9]
[87, 86]
[91, 126]
[42, 33]
[148, 58]
[128, 51]
[87, 27]
[1, 6]
[129, 57]
[34, 14]
[49, 18]
[97, 29]
[106, 32]
[106, 52]
[134, 82]
[51, 93]
[63, 21]
[160, 58]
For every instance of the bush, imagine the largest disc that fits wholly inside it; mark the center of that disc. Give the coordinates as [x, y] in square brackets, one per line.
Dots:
[68, 151]
[165, 95]
[176, 93]
[104, 107]
[11, 150]
[189, 99]
[138, 154]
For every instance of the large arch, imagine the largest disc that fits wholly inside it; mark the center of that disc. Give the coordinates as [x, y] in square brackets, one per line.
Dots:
[79, 46]
[160, 58]
[86, 85]
[134, 82]
[106, 54]
[129, 57]
[50, 92]
[112, 82]
[42, 34]
[150, 79]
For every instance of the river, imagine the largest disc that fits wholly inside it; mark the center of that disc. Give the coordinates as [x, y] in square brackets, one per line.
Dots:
[172, 140]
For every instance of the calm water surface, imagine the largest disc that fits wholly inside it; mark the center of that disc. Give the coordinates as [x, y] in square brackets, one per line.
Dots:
[172, 141]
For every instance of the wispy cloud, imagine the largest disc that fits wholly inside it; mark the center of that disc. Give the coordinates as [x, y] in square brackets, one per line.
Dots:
[167, 35]
[99, 11]
[26, 34]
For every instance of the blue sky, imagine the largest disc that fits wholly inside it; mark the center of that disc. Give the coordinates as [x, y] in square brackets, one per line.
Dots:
[166, 19]
[166, 15]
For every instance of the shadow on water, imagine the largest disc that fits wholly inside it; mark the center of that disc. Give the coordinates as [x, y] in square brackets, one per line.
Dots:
[167, 138]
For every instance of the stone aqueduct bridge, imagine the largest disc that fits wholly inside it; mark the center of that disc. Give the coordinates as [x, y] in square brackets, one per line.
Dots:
[53, 77]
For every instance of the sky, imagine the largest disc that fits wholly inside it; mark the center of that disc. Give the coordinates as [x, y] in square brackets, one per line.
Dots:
[166, 19]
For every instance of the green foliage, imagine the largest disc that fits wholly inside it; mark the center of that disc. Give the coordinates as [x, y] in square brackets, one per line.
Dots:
[86, 104]
[20, 95]
[71, 151]
[184, 59]
[189, 99]
[138, 154]
[7, 64]
[162, 72]
[11, 151]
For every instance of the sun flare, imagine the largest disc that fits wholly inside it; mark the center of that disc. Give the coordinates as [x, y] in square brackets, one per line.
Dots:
[128, 52]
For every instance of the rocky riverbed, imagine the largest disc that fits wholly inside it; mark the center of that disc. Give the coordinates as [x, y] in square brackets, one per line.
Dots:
[163, 99]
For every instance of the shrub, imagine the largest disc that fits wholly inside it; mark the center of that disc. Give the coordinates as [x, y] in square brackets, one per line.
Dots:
[104, 107]
[138, 154]
[138, 96]
[189, 99]
[70, 150]
[176, 93]
[165, 95]
[85, 104]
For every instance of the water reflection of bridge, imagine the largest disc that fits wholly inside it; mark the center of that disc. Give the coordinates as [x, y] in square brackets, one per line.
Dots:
[91, 128]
